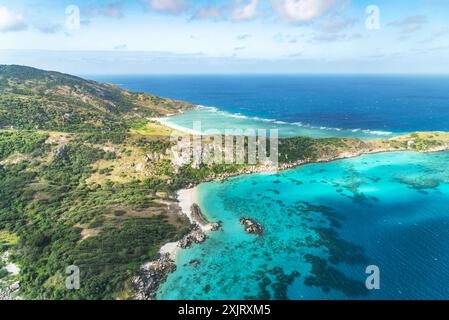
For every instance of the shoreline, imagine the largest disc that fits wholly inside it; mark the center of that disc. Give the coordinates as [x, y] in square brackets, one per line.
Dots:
[369, 134]
[186, 199]
[155, 273]
[189, 197]
[176, 127]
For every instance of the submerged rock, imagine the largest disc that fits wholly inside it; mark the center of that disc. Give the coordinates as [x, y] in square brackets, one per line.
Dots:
[194, 262]
[251, 226]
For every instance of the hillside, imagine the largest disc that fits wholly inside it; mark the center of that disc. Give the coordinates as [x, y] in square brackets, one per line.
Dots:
[76, 187]
[33, 99]
[86, 180]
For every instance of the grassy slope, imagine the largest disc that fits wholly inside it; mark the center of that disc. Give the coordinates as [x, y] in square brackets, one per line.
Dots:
[84, 181]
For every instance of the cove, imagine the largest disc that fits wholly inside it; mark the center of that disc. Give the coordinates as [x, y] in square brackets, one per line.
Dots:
[324, 224]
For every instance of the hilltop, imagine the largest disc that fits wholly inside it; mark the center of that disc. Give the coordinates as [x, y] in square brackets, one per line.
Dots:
[34, 99]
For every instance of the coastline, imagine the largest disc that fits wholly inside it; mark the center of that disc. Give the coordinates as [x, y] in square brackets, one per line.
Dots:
[186, 199]
[154, 273]
[175, 127]
[306, 129]
[189, 198]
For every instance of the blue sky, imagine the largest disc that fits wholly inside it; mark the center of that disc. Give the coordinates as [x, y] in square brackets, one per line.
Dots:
[227, 36]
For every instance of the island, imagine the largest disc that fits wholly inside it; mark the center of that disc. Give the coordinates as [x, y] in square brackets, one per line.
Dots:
[86, 179]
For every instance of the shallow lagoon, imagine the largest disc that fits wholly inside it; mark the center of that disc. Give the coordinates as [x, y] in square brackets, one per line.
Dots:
[324, 224]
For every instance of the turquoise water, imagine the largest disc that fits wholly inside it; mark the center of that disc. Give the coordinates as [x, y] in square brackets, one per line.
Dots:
[384, 103]
[323, 225]
[214, 119]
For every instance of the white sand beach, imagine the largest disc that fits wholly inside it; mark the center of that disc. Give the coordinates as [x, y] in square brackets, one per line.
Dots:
[187, 198]
[176, 127]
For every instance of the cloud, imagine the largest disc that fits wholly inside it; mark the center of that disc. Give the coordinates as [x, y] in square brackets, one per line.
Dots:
[332, 37]
[328, 37]
[435, 36]
[243, 36]
[10, 21]
[121, 47]
[235, 11]
[167, 6]
[209, 12]
[440, 48]
[49, 28]
[245, 12]
[112, 10]
[296, 54]
[337, 24]
[410, 24]
[286, 38]
[302, 10]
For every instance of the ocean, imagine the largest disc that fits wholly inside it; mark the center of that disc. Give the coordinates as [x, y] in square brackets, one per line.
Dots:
[316, 106]
[324, 224]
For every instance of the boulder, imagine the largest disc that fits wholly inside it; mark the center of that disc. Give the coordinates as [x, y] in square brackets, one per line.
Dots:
[251, 226]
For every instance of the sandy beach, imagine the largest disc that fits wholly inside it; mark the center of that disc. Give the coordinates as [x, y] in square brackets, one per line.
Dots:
[176, 127]
[186, 198]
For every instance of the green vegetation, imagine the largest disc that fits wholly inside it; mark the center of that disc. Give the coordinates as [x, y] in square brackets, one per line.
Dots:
[21, 142]
[47, 204]
[151, 129]
[85, 181]
[50, 216]
[32, 99]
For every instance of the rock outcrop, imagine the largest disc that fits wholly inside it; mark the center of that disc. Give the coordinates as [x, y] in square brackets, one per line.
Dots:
[195, 236]
[197, 215]
[251, 226]
[152, 275]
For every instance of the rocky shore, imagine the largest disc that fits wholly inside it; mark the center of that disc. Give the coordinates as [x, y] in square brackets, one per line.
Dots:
[286, 166]
[153, 274]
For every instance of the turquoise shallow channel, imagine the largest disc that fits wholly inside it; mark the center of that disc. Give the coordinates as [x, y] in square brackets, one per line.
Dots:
[323, 225]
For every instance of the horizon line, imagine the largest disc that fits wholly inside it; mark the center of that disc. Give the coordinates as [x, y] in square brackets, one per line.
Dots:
[264, 74]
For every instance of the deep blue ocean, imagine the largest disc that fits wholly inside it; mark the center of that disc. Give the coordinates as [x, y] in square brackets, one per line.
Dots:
[377, 103]
[323, 223]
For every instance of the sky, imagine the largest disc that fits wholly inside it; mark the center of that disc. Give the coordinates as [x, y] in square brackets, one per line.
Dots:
[227, 36]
